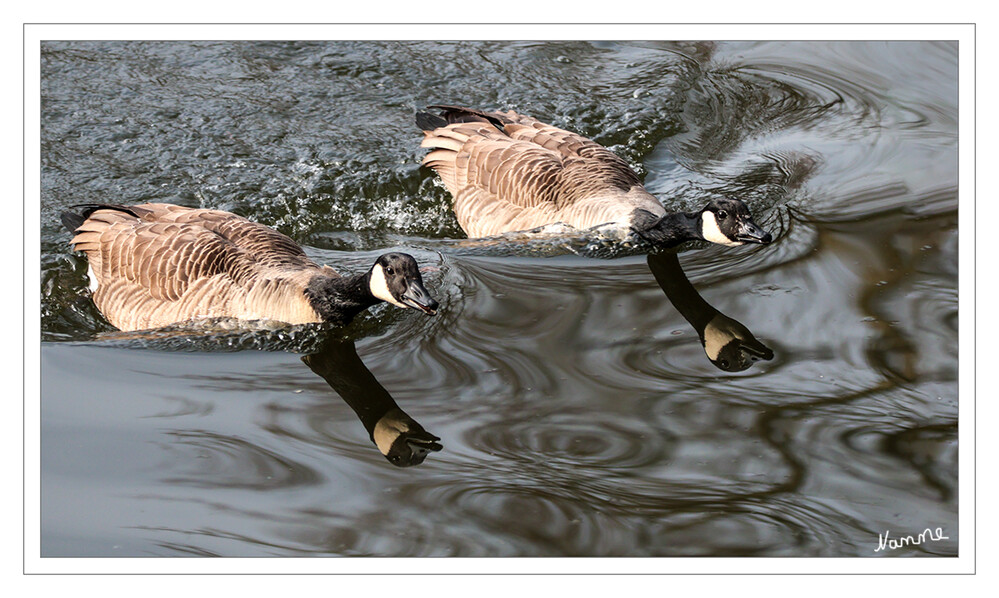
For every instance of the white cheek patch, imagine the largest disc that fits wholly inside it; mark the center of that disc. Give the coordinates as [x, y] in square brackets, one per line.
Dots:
[711, 232]
[387, 430]
[379, 287]
[93, 278]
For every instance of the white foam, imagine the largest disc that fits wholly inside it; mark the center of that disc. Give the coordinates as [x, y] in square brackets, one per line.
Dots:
[93, 279]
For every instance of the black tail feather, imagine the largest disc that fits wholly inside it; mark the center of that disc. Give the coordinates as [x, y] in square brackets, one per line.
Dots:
[456, 114]
[429, 122]
[73, 220]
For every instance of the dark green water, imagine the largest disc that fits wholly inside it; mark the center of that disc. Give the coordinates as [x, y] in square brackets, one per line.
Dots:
[578, 411]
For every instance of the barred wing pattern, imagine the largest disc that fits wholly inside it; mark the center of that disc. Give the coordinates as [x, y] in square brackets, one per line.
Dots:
[170, 263]
[510, 172]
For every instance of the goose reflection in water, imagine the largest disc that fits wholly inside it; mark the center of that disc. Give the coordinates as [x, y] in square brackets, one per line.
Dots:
[728, 344]
[398, 436]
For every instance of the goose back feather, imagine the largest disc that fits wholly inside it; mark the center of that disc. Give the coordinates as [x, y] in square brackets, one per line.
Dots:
[157, 264]
[509, 172]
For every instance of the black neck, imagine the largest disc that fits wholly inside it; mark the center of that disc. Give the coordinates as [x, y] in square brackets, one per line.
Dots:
[337, 299]
[680, 227]
[670, 230]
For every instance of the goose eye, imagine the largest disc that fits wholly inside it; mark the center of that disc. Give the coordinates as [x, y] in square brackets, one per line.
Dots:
[722, 214]
[389, 271]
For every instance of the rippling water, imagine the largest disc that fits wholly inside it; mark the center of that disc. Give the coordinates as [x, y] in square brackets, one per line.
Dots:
[585, 404]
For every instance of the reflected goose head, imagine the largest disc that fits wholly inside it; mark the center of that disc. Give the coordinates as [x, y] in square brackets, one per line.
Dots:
[395, 278]
[730, 346]
[728, 222]
[402, 440]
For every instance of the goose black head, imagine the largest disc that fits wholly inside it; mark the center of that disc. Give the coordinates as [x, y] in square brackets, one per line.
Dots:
[728, 222]
[403, 441]
[395, 278]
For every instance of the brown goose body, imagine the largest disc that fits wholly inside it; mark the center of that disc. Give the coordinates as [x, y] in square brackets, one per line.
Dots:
[509, 172]
[157, 264]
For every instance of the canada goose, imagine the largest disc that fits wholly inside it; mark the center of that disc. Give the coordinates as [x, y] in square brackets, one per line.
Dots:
[728, 344]
[157, 264]
[508, 172]
[400, 438]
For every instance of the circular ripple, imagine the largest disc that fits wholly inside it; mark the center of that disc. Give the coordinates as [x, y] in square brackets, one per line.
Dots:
[574, 440]
[218, 461]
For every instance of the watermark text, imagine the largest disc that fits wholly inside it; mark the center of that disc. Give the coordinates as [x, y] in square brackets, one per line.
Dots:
[887, 543]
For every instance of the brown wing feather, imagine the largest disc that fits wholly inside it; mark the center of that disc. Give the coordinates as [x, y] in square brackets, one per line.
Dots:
[528, 173]
[268, 246]
[172, 263]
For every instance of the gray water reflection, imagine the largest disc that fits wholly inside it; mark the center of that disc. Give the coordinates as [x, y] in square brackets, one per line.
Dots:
[727, 343]
[398, 436]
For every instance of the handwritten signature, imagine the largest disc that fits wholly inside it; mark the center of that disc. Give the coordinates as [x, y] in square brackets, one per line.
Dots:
[886, 543]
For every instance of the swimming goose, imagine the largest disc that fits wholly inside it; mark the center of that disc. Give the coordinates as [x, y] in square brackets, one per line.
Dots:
[156, 264]
[508, 172]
